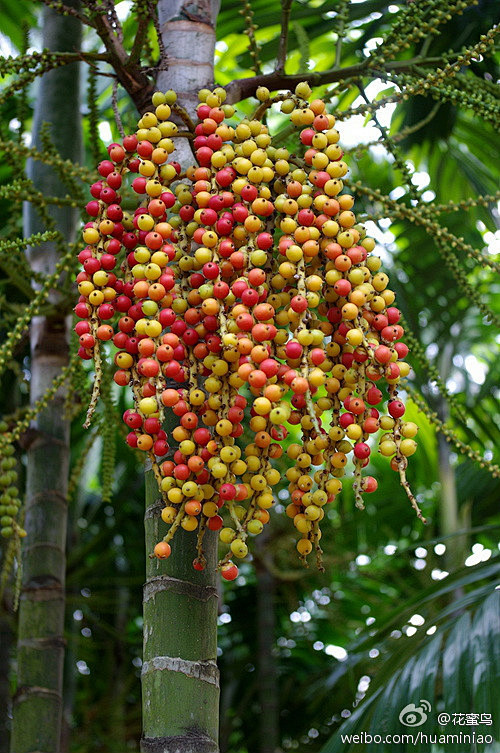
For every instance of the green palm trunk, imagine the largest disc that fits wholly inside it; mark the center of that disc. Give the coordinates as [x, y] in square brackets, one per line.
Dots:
[180, 679]
[38, 701]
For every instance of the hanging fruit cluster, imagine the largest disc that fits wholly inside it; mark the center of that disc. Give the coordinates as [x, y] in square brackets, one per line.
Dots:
[243, 296]
[10, 502]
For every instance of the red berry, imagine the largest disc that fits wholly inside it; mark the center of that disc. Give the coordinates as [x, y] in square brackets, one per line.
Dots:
[132, 440]
[396, 408]
[293, 349]
[383, 354]
[130, 143]
[160, 447]
[229, 571]
[370, 484]
[215, 523]
[105, 167]
[181, 472]
[227, 491]
[299, 304]
[362, 450]
[373, 396]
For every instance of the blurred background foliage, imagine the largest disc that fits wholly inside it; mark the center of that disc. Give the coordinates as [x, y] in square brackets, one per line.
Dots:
[391, 617]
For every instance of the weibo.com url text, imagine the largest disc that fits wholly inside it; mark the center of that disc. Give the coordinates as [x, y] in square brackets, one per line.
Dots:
[416, 738]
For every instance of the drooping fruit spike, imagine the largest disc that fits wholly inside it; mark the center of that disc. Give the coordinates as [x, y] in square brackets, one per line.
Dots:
[250, 273]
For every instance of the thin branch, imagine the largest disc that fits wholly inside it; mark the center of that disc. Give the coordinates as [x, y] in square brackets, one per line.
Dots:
[286, 6]
[362, 109]
[338, 48]
[427, 43]
[184, 135]
[246, 87]
[441, 235]
[185, 116]
[105, 74]
[417, 126]
[399, 136]
[129, 74]
[55, 161]
[161, 47]
[114, 21]
[342, 16]
[139, 40]
[250, 29]
[450, 435]
[392, 149]
[64, 58]
[67, 10]
[261, 109]
[116, 111]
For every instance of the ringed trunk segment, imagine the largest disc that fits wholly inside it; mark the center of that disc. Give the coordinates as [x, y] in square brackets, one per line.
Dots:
[37, 704]
[180, 678]
[188, 33]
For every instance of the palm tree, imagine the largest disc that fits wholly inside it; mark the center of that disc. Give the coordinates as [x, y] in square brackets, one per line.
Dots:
[173, 656]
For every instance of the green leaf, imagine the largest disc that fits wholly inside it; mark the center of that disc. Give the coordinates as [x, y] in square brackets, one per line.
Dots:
[485, 666]
[464, 675]
[15, 15]
[455, 663]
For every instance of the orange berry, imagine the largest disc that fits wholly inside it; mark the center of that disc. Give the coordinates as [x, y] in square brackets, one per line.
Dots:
[262, 439]
[141, 289]
[193, 507]
[195, 463]
[146, 347]
[299, 385]
[156, 291]
[162, 550]
[343, 263]
[273, 392]
[170, 397]
[144, 442]
[105, 332]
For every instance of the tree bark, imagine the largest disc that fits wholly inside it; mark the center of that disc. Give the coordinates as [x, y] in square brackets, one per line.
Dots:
[37, 707]
[180, 678]
[188, 33]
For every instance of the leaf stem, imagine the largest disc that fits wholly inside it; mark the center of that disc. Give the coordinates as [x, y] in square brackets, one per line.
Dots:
[286, 6]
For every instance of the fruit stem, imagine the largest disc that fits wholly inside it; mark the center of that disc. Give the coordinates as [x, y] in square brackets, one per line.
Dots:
[96, 389]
